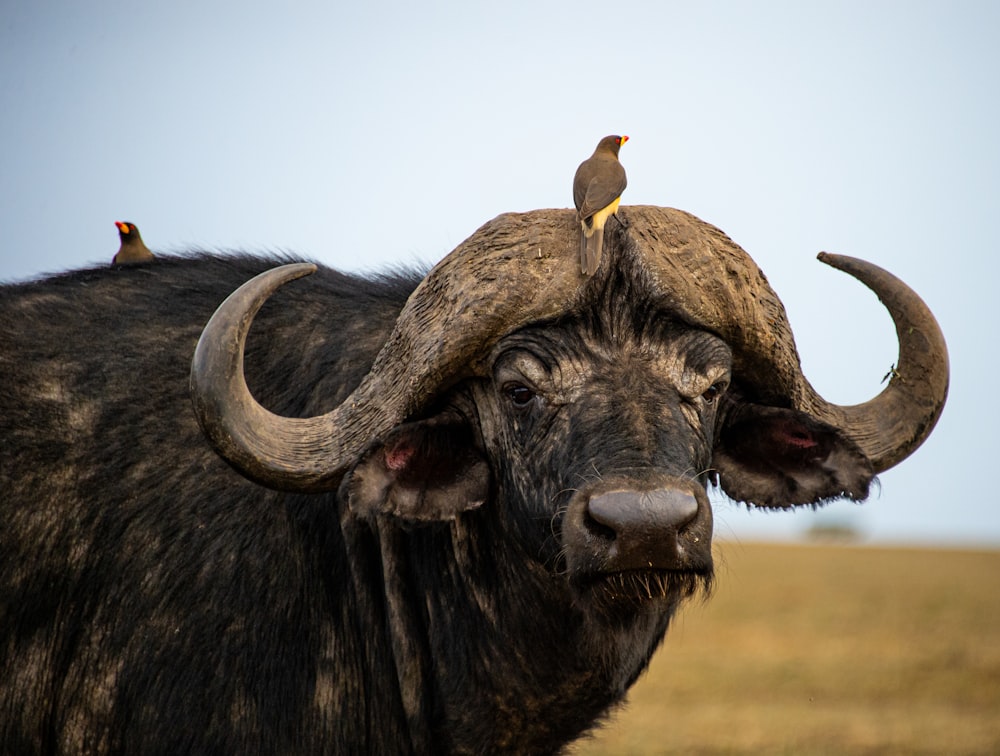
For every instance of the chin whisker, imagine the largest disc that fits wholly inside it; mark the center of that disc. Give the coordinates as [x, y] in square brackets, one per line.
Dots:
[633, 589]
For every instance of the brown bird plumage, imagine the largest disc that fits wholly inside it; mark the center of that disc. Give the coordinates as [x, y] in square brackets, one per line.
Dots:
[132, 250]
[597, 189]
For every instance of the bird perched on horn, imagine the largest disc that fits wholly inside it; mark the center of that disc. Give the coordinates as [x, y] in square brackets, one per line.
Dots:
[132, 250]
[597, 190]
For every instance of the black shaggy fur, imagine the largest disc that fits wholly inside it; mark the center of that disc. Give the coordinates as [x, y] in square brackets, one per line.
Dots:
[447, 599]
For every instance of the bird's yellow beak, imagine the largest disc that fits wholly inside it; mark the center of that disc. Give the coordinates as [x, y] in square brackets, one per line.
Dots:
[123, 227]
[623, 140]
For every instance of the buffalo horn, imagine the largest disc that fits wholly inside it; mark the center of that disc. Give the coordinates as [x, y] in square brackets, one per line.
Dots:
[503, 277]
[520, 269]
[889, 427]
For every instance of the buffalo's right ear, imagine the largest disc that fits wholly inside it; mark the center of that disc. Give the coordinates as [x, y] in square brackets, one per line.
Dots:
[430, 470]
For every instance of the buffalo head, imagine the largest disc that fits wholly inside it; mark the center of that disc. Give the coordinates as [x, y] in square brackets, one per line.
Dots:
[603, 405]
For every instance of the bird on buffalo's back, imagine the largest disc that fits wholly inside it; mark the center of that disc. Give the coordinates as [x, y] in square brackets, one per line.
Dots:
[597, 189]
[132, 250]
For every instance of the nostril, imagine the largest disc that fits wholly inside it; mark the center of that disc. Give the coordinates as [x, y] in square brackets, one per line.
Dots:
[604, 512]
[598, 528]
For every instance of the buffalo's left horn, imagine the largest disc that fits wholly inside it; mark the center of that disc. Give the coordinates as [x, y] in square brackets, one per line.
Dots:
[889, 427]
[696, 271]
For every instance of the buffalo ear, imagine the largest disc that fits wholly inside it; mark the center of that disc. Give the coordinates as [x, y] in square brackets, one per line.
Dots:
[775, 457]
[427, 471]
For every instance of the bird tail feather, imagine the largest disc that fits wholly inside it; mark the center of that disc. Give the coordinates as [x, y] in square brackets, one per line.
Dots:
[591, 252]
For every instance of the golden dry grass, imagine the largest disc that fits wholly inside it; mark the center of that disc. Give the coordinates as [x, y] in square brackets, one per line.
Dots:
[823, 649]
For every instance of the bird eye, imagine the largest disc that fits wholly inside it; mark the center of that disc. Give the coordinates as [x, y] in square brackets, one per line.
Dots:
[519, 394]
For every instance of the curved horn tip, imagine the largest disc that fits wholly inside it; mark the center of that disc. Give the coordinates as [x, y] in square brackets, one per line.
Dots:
[228, 316]
[897, 421]
[840, 262]
[223, 405]
[278, 276]
[291, 271]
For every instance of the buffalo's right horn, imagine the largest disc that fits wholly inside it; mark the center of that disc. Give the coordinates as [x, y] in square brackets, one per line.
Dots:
[504, 277]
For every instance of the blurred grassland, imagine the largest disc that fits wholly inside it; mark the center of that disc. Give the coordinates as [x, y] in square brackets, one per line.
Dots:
[825, 650]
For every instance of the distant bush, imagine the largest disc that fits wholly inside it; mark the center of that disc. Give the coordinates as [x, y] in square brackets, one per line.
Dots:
[829, 532]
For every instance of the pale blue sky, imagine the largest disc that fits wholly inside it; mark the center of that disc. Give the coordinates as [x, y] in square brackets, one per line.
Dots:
[386, 132]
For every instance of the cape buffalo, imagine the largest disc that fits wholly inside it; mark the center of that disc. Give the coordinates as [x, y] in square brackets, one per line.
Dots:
[456, 512]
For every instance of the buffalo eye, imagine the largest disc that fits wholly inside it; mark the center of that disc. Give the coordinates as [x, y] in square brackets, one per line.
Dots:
[713, 392]
[519, 394]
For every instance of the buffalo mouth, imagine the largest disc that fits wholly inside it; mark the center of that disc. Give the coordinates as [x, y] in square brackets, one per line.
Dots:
[631, 590]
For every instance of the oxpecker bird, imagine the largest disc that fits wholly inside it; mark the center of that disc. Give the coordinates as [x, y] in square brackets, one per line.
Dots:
[597, 189]
[132, 250]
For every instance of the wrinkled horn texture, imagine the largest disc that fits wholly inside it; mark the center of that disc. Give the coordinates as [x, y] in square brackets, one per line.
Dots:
[520, 269]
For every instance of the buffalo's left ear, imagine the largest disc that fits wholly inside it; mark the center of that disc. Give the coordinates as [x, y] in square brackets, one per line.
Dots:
[431, 470]
[776, 457]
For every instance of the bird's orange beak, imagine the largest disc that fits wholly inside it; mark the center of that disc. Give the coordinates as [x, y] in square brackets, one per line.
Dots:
[123, 227]
[622, 140]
